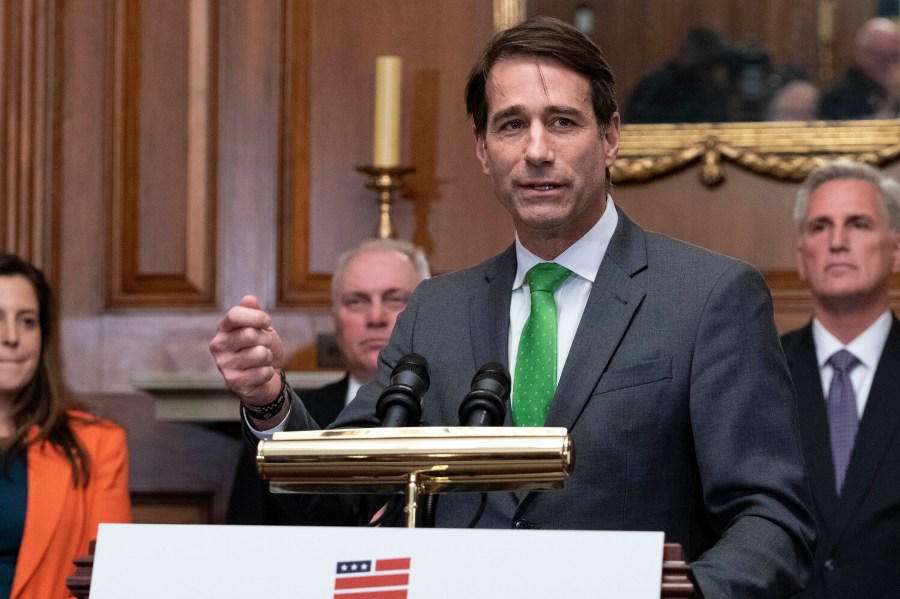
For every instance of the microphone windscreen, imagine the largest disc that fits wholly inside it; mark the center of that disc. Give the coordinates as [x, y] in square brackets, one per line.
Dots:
[494, 377]
[415, 364]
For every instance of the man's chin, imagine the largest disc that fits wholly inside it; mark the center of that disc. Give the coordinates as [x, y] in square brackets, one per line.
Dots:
[846, 297]
[371, 354]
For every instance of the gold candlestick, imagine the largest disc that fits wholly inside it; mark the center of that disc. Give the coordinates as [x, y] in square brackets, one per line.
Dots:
[385, 180]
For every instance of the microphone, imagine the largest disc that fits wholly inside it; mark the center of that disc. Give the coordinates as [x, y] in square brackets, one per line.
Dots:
[484, 404]
[400, 403]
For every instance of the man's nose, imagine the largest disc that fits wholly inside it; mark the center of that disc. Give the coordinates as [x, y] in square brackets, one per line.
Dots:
[539, 150]
[377, 313]
[838, 239]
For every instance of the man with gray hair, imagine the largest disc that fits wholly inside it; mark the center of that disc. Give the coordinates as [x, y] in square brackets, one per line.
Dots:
[371, 284]
[846, 369]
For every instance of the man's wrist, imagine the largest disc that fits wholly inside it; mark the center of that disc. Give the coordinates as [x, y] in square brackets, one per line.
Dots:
[271, 409]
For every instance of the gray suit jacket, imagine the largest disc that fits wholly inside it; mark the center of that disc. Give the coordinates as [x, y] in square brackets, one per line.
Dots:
[859, 532]
[676, 395]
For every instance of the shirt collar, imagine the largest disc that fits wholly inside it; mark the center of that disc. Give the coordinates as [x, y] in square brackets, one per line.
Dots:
[867, 346]
[583, 257]
[353, 386]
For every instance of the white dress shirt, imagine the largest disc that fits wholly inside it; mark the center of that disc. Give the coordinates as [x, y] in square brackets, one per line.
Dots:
[353, 386]
[583, 259]
[867, 348]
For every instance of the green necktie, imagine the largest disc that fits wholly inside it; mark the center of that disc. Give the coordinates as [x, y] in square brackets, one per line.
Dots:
[535, 381]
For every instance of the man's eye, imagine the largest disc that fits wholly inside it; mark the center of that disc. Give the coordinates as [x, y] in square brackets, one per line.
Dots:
[511, 126]
[354, 303]
[563, 122]
[396, 301]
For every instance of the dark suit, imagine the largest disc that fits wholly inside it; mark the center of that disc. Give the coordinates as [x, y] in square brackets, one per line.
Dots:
[250, 501]
[675, 393]
[859, 533]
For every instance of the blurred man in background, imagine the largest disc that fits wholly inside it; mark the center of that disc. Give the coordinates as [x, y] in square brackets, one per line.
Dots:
[871, 86]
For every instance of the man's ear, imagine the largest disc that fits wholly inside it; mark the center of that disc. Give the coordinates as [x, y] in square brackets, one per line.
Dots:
[895, 239]
[482, 153]
[611, 139]
[798, 253]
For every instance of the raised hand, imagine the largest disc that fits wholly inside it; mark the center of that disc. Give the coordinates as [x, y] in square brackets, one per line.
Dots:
[248, 353]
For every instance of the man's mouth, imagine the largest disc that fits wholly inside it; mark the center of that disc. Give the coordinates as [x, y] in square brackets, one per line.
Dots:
[840, 266]
[541, 185]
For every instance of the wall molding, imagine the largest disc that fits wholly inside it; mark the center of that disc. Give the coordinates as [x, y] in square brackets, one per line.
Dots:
[297, 285]
[30, 46]
[192, 281]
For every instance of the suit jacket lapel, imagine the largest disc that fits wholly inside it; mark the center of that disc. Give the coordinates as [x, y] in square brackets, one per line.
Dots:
[610, 307]
[877, 429]
[332, 408]
[489, 311]
[813, 426]
[489, 323]
[49, 481]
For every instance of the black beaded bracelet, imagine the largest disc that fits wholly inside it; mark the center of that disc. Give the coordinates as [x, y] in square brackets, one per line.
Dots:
[270, 409]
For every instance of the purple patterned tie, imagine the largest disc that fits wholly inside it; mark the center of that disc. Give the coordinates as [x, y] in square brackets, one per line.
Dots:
[842, 417]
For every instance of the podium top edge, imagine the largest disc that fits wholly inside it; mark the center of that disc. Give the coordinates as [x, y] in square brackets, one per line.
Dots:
[424, 432]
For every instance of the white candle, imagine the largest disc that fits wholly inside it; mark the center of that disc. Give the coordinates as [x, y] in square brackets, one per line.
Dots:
[386, 148]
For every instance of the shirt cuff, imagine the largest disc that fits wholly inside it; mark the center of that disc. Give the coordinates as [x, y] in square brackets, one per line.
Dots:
[267, 434]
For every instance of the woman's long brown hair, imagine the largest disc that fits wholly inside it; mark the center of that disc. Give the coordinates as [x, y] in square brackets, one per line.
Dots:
[42, 403]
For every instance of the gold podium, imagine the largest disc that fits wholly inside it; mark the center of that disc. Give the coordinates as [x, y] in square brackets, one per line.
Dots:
[421, 460]
[416, 461]
[429, 460]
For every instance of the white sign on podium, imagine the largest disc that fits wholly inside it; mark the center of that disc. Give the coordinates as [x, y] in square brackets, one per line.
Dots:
[197, 561]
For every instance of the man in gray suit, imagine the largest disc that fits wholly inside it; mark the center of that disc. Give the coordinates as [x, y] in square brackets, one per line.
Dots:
[664, 364]
[848, 247]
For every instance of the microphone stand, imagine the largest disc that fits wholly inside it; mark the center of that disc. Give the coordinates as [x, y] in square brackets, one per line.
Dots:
[412, 499]
[429, 510]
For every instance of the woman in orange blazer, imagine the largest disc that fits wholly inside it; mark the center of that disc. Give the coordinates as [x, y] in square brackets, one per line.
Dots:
[62, 471]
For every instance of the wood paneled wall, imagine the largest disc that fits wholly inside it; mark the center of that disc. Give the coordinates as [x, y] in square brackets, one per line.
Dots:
[29, 91]
[183, 154]
[165, 157]
[161, 153]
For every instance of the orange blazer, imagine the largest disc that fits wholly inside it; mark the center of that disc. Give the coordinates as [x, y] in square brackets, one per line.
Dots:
[60, 520]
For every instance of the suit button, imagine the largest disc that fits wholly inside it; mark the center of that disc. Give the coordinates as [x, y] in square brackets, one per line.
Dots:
[521, 523]
[830, 565]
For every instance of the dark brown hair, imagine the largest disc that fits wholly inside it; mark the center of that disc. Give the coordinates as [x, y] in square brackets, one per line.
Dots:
[42, 403]
[544, 37]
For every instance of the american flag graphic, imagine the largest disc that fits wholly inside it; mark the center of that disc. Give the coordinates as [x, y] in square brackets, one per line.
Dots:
[372, 579]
